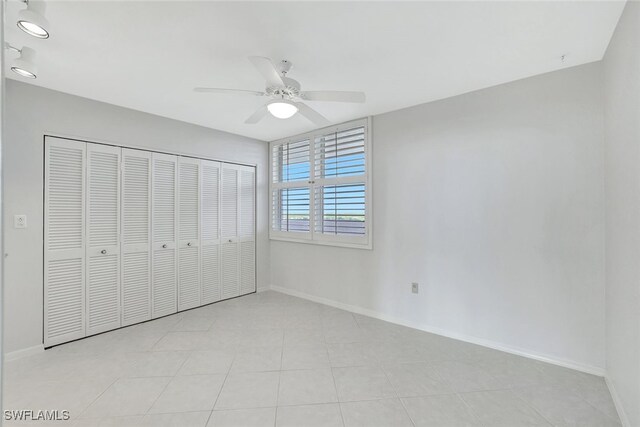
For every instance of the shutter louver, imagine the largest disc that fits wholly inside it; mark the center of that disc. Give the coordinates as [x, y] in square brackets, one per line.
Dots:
[340, 209]
[340, 154]
[292, 210]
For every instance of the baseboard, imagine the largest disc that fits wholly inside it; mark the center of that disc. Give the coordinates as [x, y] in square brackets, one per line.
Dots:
[624, 419]
[262, 288]
[25, 352]
[594, 370]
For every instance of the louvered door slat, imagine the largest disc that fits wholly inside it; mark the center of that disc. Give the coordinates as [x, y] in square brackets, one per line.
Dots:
[136, 229]
[103, 238]
[189, 291]
[246, 228]
[210, 232]
[247, 267]
[229, 270]
[64, 257]
[229, 202]
[164, 281]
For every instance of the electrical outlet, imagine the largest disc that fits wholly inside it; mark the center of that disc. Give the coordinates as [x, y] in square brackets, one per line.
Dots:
[19, 221]
[414, 287]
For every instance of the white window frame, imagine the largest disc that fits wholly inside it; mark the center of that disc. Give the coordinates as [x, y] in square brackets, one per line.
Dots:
[362, 242]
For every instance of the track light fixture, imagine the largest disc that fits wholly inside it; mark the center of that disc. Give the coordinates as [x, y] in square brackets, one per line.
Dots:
[24, 65]
[32, 21]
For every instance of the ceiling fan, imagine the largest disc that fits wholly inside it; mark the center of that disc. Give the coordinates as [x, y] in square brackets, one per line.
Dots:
[285, 96]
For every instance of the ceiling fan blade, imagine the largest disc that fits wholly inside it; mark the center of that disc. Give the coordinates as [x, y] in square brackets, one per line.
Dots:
[257, 116]
[268, 70]
[228, 91]
[312, 115]
[334, 95]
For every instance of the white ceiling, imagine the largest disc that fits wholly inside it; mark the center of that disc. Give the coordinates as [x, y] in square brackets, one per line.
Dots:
[149, 55]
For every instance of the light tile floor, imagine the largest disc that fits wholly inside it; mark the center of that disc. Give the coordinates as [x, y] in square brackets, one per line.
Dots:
[271, 359]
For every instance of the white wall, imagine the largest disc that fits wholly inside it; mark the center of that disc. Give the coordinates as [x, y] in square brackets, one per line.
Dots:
[622, 167]
[493, 202]
[32, 112]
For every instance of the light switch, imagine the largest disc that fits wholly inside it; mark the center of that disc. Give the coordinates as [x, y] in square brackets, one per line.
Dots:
[19, 221]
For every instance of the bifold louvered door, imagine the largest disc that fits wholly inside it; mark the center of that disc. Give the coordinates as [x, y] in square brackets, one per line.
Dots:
[64, 257]
[164, 238]
[237, 257]
[103, 238]
[229, 232]
[210, 231]
[189, 233]
[132, 235]
[136, 236]
[246, 229]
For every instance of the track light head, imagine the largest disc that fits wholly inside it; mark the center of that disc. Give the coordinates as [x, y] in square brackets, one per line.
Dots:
[32, 21]
[24, 65]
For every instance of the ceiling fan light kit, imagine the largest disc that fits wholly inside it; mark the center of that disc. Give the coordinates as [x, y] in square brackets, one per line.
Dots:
[286, 95]
[282, 109]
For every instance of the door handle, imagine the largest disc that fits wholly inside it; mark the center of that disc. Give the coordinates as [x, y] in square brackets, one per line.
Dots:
[164, 246]
[103, 252]
[230, 240]
[189, 244]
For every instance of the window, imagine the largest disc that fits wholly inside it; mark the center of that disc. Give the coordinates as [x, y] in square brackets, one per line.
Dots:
[320, 187]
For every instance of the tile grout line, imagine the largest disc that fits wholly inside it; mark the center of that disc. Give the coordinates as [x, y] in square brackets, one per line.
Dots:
[395, 392]
[275, 418]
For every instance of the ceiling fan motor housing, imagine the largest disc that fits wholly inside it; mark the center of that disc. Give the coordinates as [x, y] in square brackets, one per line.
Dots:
[290, 90]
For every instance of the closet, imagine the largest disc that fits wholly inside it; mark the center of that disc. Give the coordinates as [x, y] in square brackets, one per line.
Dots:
[132, 235]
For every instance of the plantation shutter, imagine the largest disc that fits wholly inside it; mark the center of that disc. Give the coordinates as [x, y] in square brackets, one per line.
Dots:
[340, 175]
[320, 187]
[291, 188]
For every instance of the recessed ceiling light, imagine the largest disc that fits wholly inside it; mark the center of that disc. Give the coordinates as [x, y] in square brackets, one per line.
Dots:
[32, 21]
[282, 109]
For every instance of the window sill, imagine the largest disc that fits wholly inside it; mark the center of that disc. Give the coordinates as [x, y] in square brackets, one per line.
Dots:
[342, 244]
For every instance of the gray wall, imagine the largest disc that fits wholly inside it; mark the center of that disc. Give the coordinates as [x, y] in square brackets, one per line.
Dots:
[622, 166]
[494, 202]
[32, 112]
